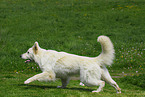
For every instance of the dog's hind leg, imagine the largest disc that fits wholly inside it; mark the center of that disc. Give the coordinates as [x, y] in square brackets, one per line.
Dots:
[45, 76]
[64, 82]
[101, 85]
[106, 76]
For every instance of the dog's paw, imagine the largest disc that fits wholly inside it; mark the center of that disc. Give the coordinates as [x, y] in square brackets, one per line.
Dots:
[95, 91]
[27, 82]
[81, 84]
[61, 87]
[119, 90]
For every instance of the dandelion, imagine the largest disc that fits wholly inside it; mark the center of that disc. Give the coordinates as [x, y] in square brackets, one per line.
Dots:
[124, 75]
[85, 14]
[132, 74]
[140, 66]
[15, 70]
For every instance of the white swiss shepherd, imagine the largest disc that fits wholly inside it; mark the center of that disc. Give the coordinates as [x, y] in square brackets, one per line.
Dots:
[63, 65]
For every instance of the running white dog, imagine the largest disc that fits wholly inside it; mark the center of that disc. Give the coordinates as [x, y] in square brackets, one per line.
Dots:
[63, 65]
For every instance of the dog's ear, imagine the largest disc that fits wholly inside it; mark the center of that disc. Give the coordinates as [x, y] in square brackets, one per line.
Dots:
[35, 47]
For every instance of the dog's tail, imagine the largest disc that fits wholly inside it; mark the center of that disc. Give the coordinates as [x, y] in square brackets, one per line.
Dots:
[107, 55]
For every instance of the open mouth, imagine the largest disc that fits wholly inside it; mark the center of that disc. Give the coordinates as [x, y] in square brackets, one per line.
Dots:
[28, 61]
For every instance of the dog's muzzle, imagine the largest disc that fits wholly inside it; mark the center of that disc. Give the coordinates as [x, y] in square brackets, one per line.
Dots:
[27, 61]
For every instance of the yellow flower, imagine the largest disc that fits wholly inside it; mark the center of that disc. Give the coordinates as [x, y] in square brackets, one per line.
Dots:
[120, 7]
[85, 14]
[140, 66]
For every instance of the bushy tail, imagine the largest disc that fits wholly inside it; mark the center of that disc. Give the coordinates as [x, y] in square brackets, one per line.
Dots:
[107, 55]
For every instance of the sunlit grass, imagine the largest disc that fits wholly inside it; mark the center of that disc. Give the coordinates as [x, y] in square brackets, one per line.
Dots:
[12, 85]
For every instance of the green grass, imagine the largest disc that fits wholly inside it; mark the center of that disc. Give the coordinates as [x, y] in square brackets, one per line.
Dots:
[72, 26]
[134, 80]
[12, 86]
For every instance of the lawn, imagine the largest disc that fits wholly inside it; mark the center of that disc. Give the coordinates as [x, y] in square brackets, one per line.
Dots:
[72, 26]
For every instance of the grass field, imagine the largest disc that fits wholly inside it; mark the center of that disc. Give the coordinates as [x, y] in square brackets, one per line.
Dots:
[72, 26]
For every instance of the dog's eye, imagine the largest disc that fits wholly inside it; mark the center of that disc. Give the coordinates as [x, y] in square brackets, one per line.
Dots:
[28, 52]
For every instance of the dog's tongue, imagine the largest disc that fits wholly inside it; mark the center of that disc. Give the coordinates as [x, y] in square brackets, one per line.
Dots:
[27, 61]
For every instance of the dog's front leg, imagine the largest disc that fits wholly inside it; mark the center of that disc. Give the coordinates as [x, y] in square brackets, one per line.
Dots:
[45, 76]
[28, 80]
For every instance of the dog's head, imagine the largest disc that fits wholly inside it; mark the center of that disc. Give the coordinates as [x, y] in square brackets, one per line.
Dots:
[31, 53]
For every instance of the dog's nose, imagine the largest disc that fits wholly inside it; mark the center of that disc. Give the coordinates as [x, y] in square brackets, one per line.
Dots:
[20, 56]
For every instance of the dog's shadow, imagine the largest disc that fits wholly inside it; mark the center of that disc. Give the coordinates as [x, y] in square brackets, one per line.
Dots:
[53, 87]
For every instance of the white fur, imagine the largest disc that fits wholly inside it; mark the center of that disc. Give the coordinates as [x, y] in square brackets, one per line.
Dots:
[63, 65]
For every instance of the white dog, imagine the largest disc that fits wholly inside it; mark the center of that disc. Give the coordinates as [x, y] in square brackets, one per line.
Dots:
[63, 65]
